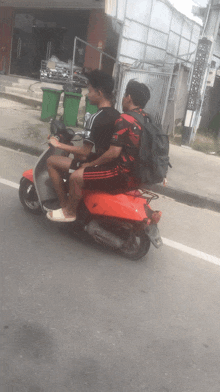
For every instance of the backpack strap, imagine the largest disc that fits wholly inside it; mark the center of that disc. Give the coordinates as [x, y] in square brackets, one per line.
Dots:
[141, 121]
[139, 117]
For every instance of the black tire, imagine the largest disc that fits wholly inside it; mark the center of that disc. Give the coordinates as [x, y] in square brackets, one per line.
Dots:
[28, 196]
[137, 246]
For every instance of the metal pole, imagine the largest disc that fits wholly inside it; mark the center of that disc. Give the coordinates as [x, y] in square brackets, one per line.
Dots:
[94, 47]
[100, 61]
[166, 99]
[74, 56]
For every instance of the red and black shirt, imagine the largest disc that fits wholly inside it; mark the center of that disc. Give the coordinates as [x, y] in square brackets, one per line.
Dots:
[127, 136]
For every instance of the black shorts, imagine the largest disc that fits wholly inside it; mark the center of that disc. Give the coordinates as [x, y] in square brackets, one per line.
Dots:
[107, 178]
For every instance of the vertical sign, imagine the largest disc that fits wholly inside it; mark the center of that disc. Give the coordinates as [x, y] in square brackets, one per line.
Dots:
[200, 66]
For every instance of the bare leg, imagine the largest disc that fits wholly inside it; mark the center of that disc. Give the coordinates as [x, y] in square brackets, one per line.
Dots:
[75, 193]
[77, 159]
[57, 166]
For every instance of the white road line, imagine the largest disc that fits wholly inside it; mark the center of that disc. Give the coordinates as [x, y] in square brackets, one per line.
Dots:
[9, 183]
[191, 251]
[172, 244]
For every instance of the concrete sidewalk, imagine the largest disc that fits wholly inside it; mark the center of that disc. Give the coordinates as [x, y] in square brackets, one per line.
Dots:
[194, 178]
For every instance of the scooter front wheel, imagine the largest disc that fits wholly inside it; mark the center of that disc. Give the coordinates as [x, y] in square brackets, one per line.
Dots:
[137, 246]
[28, 196]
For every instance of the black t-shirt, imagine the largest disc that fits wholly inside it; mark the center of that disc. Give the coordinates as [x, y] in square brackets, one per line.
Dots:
[100, 128]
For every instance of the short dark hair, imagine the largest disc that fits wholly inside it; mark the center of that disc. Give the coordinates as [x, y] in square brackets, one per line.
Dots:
[100, 80]
[139, 92]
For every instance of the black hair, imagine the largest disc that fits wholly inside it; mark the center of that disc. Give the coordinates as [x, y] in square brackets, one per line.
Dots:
[139, 92]
[100, 80]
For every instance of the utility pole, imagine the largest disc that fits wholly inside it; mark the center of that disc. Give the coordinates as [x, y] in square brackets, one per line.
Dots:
[202, 64]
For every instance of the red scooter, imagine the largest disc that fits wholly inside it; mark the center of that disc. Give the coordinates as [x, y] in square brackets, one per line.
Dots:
[122, 221]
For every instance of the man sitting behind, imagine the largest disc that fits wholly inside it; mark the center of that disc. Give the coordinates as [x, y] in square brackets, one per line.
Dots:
[113, 170]
[100, 130]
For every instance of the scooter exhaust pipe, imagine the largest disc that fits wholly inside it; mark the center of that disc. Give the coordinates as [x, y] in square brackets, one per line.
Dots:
[103, 236]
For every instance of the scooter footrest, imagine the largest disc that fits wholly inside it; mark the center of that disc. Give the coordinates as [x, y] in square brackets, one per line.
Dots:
[51, 205]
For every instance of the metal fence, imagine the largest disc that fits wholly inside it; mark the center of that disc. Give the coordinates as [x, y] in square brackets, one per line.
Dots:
[160, 87]
[101, 53]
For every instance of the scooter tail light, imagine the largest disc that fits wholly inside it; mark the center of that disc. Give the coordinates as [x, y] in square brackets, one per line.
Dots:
[147, 221]
[156, 216]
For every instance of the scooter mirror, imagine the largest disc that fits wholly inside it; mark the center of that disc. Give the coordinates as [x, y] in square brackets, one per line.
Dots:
[56, 127]
[69, 134]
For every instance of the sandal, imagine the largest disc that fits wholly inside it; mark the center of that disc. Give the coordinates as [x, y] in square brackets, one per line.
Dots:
[58, 216]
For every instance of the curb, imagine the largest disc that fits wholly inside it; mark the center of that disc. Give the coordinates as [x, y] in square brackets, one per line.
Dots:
[25, 100]
[188, 198]
[21, 147]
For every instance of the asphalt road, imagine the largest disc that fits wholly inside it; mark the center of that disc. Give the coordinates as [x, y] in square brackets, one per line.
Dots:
[77, 317]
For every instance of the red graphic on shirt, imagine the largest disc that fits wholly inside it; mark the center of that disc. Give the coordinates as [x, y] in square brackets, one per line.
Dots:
[127, 136]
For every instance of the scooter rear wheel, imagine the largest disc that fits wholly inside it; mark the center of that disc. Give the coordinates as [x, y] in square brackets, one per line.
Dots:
[28, 196]
[137, 246]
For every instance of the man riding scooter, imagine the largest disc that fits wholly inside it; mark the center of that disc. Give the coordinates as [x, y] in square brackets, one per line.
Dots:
[99, 133]
[112, 170]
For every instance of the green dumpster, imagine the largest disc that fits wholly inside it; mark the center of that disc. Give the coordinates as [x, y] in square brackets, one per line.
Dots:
[71, 106]
[90, 108]
[51, 98]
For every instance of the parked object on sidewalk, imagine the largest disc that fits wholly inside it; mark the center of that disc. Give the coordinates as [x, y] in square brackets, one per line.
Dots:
[128, 225]
[71, 106]
[51, 98]
[186, 133]
[70, 87]
[56, 71]
[79, 79]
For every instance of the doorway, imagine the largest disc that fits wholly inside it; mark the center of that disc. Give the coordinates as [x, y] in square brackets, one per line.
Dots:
[39, 34]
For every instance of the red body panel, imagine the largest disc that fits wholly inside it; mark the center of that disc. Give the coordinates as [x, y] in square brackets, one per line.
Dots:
[29, 175]
[125, 206]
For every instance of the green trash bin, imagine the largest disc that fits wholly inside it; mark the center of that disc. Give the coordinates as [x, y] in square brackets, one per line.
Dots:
[71, 106]
[51, 98]
[90, 108]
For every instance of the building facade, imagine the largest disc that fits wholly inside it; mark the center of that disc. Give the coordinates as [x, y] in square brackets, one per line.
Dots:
[153, 43]
[34, 31]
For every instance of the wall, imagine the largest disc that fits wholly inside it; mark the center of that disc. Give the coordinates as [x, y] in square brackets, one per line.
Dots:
[155, 31]
[156, 34]
[97, 33]
[211, 107]
[181, 93]
[175, 112]
[216, 56]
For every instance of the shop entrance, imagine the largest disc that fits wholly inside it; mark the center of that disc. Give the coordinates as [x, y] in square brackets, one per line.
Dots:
[40, 34]
[6, 23]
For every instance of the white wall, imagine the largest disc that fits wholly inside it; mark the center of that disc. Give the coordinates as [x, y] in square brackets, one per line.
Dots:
[115, 8]
[155, 31]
